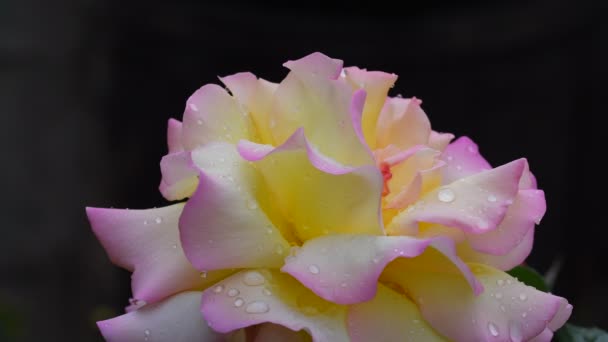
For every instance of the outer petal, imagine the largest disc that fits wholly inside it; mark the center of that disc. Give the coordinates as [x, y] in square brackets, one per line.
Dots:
[388, 317]
[402, 123]
[463, 159]
[475, 204]
[147, 242]
[344, 269]
[376, 84]
[319, 195]
[224, 224]
[311, 97]
[272, 332]
[254, 297]
[506, 311]
[174, 136]
[527, 209]
[256, 95]
[179, 177]
[213, 115]
[545, 336]
[514, 257]
[176, 319]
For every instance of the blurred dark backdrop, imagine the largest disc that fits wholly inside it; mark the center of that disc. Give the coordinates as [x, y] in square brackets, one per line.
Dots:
[86, 88]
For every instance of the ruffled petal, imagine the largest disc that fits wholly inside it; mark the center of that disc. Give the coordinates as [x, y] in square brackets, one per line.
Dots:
[317, 194]
[225, 224]
[505, 262]
[179, 177]
[174, 136]
[475, 204]
[311, 97]
[260, 296]
[344, 269]
[402, 123]
[388, 317]
[376, 84]
[507, 310]
[271, 332]
[527, 209]
[463, 159]
[256, 95]
[147, 243]
[175, 319]
[212, 115]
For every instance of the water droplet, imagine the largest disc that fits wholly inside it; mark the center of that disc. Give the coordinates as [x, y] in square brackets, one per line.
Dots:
[146, 334]
[523, 297]
[343, 73]
[203, 274]
[273, 123]
[314, 269]
[509, 282]
[158, 220]
[492, 198]
[145, 222]
[492, 329]
[174, 246]
[502, 308]
[343, 285]
[509, 202]
[193, 107]
[515, 332]
[199, 122]
[416, 321]
[251, 204]
[233, 292]
[218, 289]
[472, 149]
[483, 225]
[238, 302]
[278, 249]
[376, 260]
[450, 158]
[257, 307]
[458, 167]
[253, 278]
[500, 282]
[446, 195]
[266, 292]
[524, 314]
[498, 295]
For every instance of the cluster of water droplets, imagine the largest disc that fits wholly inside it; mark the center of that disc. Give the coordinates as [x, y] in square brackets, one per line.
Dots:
[252, 279]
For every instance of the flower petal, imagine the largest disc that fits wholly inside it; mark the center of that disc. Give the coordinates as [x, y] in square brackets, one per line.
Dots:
[376, 84]
[212, 115]
[402, 123]
[463, 159]
[310, 97]
[175, 319]
[179, 177]
[505, 262]
[174, 136]
[475, 204]
[388, 317]
[344, 269]
[273, 332]
[259, 296]
[147, 243]
[319, 195]
[256, 95]
[545, 336]
[225, 222]
[507, 310]
[527, 209]
[439, 141]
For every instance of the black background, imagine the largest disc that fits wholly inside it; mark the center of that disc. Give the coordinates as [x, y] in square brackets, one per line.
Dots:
[86, 88]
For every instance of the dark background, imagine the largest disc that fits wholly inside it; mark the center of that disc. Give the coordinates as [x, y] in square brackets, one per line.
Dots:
[86, 88]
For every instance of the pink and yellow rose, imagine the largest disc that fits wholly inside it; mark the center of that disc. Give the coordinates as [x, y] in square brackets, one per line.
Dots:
[321, 208]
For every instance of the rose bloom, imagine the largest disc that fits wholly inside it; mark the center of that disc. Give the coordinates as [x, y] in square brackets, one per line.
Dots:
[321, 209]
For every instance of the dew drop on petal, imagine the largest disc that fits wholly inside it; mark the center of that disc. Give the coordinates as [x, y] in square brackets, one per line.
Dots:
[146, 334]
[203, 274]
[492, 329]
[446, 195]
[233, 292]
[523, 297]
[251, 204]
[238, 302]
[266, 292]
[218, 289]
[257, 307]
[500, 282]
[472, 149]
[314, 269]
[145, 222]
[158, 220]
[199, 122]
[193, 107]
[524, 314]
[498, 295]
[343, 285]
[492, 198]
[253, 278]
[515, 332]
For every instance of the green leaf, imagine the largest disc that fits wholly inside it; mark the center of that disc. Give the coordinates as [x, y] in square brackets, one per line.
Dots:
[529, 276]
[573, 333]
